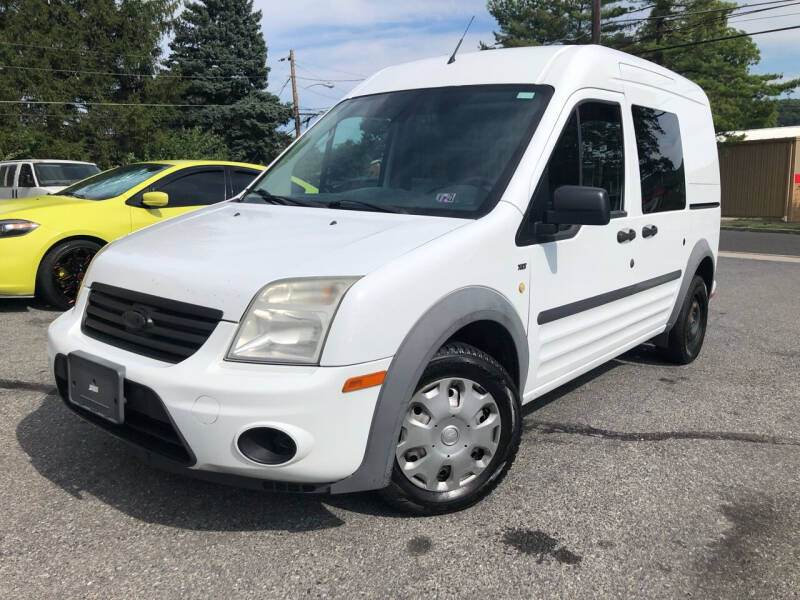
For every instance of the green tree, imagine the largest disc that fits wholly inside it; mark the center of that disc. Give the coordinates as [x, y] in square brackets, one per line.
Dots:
[739, 98]
[789, 112]
[79, 53]
[219, 50]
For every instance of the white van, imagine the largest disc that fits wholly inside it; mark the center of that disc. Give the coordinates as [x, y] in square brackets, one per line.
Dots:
[448, 243]
[34, 177]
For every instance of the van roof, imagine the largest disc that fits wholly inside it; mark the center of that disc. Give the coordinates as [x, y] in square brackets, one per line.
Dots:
[563, 67]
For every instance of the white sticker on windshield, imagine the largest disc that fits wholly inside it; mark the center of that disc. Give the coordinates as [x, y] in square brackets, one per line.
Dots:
[526, 95]
[446, 198]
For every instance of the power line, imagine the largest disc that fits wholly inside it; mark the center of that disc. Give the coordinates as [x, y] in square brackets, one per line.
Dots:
[333, 80]
[148, 75]
[707, 21]
[330, 69]
[699, 12]
[143, 104]
[720, 39]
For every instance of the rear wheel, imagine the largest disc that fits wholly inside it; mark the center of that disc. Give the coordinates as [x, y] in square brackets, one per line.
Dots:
[460, 433]
[685, 339]
[61, 272]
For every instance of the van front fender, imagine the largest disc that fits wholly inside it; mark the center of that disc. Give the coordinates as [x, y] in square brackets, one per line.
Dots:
[451, 313]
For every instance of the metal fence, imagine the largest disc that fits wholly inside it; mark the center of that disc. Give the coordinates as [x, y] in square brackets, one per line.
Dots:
[757, 178]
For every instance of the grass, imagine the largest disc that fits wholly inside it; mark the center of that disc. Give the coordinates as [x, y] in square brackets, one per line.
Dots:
[765, 224]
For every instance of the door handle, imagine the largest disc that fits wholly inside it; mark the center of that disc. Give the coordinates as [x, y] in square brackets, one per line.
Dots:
[649, 231]
[626, 235]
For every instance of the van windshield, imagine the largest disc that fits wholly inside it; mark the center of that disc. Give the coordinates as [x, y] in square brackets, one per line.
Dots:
[113, 182]
[52, 174]
[442, 151]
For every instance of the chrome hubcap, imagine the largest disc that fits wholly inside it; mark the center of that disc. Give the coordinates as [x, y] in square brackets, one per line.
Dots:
[450, 433]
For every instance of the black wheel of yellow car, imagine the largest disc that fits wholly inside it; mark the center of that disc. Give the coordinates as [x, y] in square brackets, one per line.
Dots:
[61, 272]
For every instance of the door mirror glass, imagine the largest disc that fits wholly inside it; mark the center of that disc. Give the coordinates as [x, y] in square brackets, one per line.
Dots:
[579, 205]
[155, 199]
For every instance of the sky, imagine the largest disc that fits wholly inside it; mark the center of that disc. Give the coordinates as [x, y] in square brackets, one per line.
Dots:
[338, 40]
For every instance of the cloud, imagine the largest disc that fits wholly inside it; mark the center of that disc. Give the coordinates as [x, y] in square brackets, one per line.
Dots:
[350, 39]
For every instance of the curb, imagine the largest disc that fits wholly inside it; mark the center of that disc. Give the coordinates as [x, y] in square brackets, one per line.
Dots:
[762, 230]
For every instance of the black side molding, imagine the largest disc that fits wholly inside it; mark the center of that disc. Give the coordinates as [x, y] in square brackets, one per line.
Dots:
[573, 308]
[700, 205]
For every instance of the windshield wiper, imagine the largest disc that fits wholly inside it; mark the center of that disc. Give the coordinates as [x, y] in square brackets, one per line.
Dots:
[282, 200]
[71, 194]
[343, 204]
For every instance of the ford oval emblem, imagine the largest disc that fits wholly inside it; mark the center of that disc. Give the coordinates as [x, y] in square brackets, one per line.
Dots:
[136, 320]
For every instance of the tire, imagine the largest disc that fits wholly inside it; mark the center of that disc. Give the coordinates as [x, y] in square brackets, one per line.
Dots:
[685, 339]
[474, 408]
[61, 272]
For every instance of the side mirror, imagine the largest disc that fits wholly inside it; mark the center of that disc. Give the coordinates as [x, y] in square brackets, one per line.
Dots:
[579, 205]
[155, 199]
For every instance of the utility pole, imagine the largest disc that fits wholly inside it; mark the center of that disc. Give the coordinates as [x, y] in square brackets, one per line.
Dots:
[294, 95]
[595, 21]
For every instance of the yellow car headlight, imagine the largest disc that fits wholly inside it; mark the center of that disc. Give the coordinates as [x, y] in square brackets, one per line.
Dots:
[16, 227]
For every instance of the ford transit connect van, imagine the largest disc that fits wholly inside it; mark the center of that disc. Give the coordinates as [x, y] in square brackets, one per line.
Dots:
[450, 242]
[26, 178]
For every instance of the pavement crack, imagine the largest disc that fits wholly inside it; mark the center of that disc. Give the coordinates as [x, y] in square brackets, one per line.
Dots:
[657, 436]
[28, 386]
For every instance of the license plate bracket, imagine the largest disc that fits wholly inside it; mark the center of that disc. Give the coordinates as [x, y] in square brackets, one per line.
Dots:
[97, 385]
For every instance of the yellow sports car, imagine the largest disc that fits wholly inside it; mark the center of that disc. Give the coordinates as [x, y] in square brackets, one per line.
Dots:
[47, 242]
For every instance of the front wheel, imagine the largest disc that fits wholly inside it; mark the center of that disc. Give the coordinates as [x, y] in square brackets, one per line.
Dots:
[61, 272]
[460, 433]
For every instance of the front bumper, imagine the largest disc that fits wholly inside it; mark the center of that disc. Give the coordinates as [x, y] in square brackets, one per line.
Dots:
[211, 402]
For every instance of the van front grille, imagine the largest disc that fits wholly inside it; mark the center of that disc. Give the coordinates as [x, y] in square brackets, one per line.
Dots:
[159, 328]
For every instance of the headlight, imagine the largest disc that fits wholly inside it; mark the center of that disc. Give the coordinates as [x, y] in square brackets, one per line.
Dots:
[288, 320]
[15, 227]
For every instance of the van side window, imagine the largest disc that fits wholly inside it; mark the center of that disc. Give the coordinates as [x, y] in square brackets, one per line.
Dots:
[658, 140]
[589, 152]
[25, 178]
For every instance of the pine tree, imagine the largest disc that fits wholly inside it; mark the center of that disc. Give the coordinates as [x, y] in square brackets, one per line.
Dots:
[219, 49]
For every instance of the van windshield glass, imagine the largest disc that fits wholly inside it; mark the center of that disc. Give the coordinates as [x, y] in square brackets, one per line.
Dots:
[52, 174]
[441, 151]
[114, 182]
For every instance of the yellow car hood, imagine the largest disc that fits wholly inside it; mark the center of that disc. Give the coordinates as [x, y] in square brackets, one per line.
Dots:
[27, 208]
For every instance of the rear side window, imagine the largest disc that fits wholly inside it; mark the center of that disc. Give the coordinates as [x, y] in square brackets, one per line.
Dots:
[196, 189]
[241, 178]
[25, 178]
[658, 141]
[589, 152]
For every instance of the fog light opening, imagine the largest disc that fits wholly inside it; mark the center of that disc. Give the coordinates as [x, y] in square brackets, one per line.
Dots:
[267, 445]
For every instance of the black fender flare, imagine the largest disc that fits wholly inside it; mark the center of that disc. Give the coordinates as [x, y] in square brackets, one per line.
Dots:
[459, 308]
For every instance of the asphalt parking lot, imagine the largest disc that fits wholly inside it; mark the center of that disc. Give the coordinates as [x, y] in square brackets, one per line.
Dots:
[641, 479]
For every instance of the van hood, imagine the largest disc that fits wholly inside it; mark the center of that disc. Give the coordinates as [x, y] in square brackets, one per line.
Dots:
[220, 257]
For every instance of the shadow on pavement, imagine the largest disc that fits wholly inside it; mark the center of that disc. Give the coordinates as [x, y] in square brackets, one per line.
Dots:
[81, 459]
[17, 305]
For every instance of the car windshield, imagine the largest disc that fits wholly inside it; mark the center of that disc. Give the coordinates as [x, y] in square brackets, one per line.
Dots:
[114, 182]
[52, 174]
[442, 151]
